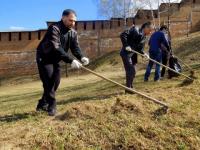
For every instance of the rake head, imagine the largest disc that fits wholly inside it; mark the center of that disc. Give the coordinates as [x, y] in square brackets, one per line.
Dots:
[186, 82]
[161, 111]
[192, 74]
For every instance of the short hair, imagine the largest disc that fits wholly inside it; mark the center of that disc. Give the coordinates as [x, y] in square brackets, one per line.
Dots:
[67, 12]
[163, 27]
[146, 25]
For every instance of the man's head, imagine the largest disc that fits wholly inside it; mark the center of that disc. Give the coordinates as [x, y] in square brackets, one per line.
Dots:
[69, 18]
[147, 28]
[164, 29]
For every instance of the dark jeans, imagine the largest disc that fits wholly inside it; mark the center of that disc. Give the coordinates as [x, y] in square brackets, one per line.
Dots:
[164, 62]
[50, 76]
[158, 58]
[129, 66]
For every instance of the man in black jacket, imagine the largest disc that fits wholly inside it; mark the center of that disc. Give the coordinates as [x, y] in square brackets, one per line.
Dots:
[52, 49]
[133, 39]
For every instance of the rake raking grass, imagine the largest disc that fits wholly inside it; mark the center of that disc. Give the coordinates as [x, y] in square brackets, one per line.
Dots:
[165, 106]
[192, 72]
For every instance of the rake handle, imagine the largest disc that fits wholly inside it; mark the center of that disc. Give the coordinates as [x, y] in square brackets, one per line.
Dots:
[129, 89]
[163, 65]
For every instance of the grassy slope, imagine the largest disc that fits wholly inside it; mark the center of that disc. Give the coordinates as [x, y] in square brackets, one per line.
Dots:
[90, 117]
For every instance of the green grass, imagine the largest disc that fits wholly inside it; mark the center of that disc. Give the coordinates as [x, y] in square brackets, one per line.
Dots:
[95, 114]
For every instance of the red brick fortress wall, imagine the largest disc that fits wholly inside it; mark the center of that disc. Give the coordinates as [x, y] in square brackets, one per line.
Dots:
[98, 37]
[18, 49]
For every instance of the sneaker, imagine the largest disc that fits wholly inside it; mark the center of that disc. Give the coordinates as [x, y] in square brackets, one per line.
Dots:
[41, 106]
[52, 109]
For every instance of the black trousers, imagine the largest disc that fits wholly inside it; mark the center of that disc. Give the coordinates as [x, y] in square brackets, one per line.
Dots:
[50, 76]
[164, 62]
[129, 66]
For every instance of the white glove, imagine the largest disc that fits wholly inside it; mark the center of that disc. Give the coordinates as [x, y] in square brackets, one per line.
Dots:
[129, 49]
[75, 64]
[85, 61]
[146, 55]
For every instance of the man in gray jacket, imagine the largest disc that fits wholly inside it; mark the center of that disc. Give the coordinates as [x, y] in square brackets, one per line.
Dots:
[60, 37]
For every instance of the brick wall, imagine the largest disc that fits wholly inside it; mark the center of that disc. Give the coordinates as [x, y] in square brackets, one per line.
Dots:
[196, 20]
[17, 49]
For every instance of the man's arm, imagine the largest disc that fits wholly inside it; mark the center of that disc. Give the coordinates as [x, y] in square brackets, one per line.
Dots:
[135, 35]
[55, 40]
[149, 43]
[164, 41]
[124, 38]
[131, 33]
[141, 48]
[75, 48]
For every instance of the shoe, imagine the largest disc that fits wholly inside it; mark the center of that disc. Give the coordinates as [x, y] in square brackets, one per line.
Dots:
[42, 105]
[157, 80]
[146, 80]
[52, 109]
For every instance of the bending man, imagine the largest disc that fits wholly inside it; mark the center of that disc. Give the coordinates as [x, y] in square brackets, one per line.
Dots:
[133, 39]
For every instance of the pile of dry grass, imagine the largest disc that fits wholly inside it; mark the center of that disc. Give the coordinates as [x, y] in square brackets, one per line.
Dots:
[90, 111]
[84, 111]
[121, 106]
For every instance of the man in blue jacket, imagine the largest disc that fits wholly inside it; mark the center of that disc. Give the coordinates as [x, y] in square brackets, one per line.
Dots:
[155, 52]
[133, 39]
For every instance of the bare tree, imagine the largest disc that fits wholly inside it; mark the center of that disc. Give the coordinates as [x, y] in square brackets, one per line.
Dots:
[128, 8]
[169, 2]
[118, 8]
[150, 4]
[155, 4]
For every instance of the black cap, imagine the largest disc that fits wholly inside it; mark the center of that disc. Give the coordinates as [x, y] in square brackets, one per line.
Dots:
[67, 12]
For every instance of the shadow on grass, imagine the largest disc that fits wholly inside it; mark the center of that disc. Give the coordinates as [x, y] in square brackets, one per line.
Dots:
[101, 84]
[99, 90]
[186, 48]
[21, 97]
[17, 117]
[110, 57]
[88, 98]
